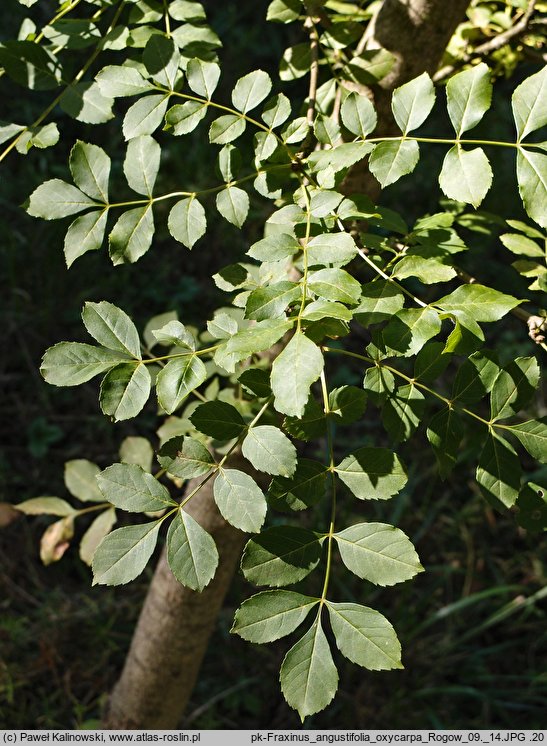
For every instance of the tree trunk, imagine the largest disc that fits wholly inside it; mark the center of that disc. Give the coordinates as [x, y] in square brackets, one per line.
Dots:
[173, 630]
[416, 32]
[175, 623]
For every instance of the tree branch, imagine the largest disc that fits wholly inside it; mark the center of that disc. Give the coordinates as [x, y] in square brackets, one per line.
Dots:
[489, 46]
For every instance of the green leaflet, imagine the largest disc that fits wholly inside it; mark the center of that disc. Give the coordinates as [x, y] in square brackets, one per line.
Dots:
[129, 487]
[86, 233]
[142, 163]
[358, 114]
[183, 118]
[30, 65]
[219, 420]
[480, 302]
[293, 372]
[533, 436]
[372, 473]
[514, 387]
[179, 377]
[226, 129]
[203, 77]
[250, 90]
[45, 506]
[391, 160]
[311, 424]
[430, 362]
[304, 488]
[468, 94]
[427, 269]
[410, 329]
[380, 301]
[529, 104]
[132, 235]
[532, 507]
[187, 222]
[56, 199]
[522, 245]
[378, 552]
[161, 59]
[185, 458]
[123, 554]
[275, 247]
[412, 102]
[257, 381]
[233, 204]
[99, 528]
[240, 500]
[117, 81]
[466, 175]
[137, 450]
[402, 412]
[281, 555]
[175, 333]
[72, 363]
[335, 285]
[261, 337]
[90, 169]
[379, 383]
[272, 300]
[321, 309]
[112, 328]
[32, 137]
[277, 110]
[191, 552]
[308, 676]
[475, 378]
[86, 102]
[284, 11]
[145, 115]
[296, 62]
[80, 480]
[125, 390]
[331, 248]
[222, 326]
[445, 432]
[365, 636]
[532, 181]
[269, 450]
[186, 10]
[499, 472]
[347, 404]
[269, 615]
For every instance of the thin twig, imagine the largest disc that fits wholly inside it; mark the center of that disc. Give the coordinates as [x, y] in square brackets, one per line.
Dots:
[314, 69]
[489, 46]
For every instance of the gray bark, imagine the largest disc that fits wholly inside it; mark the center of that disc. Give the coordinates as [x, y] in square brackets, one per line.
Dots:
[416, 32]
[173, 631]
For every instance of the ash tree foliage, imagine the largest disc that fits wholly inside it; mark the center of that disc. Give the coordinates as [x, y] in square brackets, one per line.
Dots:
[335, 275]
